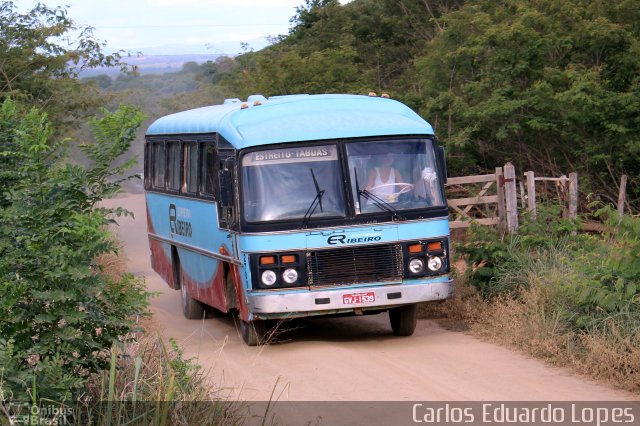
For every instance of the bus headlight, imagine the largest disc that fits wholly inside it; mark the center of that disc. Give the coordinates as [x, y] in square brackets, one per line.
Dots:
[268, 277]
[416, 266]
[434, 263]
[290, 276]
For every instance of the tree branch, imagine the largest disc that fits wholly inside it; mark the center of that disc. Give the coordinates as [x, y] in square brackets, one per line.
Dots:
[435, 20]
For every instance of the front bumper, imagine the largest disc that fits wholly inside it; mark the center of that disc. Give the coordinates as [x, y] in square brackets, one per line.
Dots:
[330, 301]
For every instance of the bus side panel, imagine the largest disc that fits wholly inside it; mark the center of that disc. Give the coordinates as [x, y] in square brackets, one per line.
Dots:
[204, 278]
[241, 293]
[160, 256]
[191, 226]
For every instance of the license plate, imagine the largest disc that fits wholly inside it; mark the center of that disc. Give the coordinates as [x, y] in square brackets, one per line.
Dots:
[353, 298]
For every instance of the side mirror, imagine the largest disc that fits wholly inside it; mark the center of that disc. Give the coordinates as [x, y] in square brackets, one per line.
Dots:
[442, 159]
[226, 188]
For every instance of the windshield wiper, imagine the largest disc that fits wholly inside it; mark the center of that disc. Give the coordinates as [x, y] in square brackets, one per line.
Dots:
[317, 201]
[377, 201]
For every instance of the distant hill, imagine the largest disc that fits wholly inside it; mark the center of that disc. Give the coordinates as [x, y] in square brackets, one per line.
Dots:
[154, 64]
[159, 60]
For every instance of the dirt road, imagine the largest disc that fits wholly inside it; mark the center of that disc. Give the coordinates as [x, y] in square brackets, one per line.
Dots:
[354, 359]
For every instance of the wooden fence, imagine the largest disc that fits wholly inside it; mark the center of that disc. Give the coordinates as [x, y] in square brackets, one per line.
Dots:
[486, 199]
[492, 199]
[566, 189]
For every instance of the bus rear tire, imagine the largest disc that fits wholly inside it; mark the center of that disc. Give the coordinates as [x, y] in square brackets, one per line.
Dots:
[253, 332]
[191, 308]
[403, 320]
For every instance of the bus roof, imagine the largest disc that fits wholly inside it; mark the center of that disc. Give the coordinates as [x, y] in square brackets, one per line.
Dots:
[296, 118]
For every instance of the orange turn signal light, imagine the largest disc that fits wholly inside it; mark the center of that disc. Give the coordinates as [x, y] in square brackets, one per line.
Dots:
[434, 246]
[267, 260]
[415, 248]
[289, 258]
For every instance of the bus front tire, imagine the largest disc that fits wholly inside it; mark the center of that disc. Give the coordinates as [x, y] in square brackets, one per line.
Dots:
[191, 308]
[253, 332]
[403, 320]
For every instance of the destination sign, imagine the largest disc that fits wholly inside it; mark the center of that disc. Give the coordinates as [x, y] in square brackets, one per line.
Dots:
[291, 155]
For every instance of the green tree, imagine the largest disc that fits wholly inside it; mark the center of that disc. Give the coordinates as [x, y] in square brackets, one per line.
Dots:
[552, 86]
[59, 311]
[360, 47]
[40, 60]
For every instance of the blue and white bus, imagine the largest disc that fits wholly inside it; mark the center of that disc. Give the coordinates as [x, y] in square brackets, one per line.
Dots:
[296, 206]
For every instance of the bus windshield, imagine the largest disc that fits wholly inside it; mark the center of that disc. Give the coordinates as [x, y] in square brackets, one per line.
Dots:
[396, 176]
[292, 183]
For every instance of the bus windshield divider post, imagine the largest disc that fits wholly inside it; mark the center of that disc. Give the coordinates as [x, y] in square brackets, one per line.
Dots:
[355, 173]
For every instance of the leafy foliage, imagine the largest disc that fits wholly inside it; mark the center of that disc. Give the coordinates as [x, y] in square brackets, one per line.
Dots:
[551, 87]
[40, 61]
[492, 254]
[355, 48]
[606, 281]
[59, 312]
[594, 279]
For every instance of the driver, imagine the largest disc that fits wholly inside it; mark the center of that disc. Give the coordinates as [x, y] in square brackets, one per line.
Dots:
[382, 179]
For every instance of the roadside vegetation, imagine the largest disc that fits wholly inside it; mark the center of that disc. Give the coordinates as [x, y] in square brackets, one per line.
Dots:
[550, 86]
[75, 347]
[570, 298]
[72, 340]
[59, 311]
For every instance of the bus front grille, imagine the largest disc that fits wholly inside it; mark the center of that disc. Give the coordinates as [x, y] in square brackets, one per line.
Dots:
[354, 265]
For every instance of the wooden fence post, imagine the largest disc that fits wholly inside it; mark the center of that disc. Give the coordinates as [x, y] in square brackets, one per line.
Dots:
[573, 195]
[531, 193]
[502, 210]
[622, 194]
[511, 197]
[523, 196]
[563, 194]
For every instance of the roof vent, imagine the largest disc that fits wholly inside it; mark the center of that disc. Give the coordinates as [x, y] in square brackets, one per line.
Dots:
[232, 101]
[256, 98]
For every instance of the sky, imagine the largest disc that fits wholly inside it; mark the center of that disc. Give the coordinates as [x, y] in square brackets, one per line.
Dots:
[179, 26]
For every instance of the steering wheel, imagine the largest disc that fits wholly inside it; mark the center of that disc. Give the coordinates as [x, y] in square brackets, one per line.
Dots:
[406, 187]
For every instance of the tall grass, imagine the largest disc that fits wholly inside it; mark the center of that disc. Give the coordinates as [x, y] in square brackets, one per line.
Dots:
[571, 299]
[154, 384]
[535, 322]
[148, 382]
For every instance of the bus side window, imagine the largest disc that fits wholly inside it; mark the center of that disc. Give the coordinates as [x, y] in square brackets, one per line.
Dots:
[225, 186]
[158, 165]
[190, 174]
[174, 167]
[147, 163]
[208, 170]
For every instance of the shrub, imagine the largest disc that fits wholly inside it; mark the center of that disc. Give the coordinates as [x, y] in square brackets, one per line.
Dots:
[605, 284]
[571, 298]
[59, 311]
[496, 260]
[597, 277]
